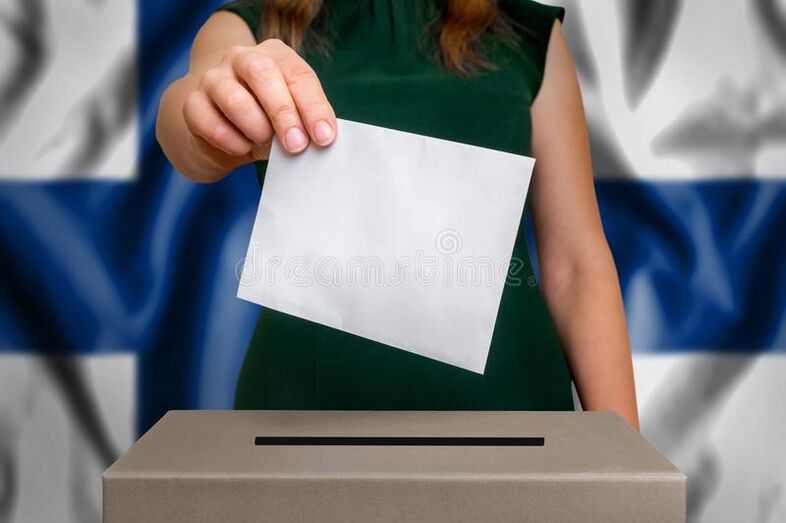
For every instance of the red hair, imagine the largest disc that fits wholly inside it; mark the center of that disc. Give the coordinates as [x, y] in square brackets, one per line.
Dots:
[462, 24]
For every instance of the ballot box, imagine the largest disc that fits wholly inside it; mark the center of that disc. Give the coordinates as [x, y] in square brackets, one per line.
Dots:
[347, 466]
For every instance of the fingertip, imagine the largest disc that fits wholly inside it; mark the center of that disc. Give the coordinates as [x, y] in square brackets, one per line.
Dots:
[295, 140]
[324, 133]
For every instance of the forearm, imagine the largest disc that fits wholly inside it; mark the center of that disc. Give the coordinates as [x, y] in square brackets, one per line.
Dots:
[586, 305]
[192, 157]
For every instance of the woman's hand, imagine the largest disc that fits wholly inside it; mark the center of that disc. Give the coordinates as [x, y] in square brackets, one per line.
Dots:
[254, 93]
[235, 97]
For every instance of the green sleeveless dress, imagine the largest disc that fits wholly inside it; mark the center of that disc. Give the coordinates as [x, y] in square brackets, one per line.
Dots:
[381, 69]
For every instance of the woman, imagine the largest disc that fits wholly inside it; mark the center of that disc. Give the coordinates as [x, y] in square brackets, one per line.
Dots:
[493, 74]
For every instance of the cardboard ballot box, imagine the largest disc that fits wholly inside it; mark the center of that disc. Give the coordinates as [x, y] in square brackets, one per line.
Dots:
[343, 466]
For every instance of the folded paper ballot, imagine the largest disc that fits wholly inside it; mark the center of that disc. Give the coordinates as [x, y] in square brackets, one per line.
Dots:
[400, 238]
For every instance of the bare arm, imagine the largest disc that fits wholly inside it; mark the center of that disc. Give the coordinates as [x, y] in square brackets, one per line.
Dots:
[235, 97]
[579, 278]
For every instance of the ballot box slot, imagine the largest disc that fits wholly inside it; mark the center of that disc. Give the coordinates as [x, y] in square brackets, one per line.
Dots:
[403, 441]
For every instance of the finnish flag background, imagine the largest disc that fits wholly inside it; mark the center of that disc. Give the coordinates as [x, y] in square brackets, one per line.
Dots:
[118, 276]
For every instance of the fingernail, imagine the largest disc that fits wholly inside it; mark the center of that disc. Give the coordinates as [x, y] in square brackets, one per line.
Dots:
[323, 132]
[295, 139]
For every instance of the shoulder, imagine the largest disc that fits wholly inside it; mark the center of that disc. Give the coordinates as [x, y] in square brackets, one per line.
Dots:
[249, 10]
[531, 8]
[532, 19]
[533, 24]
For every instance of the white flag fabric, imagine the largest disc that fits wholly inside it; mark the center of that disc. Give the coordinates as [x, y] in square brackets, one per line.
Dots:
[400, 238]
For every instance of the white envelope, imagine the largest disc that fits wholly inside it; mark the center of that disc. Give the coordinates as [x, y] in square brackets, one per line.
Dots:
[400, 238]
